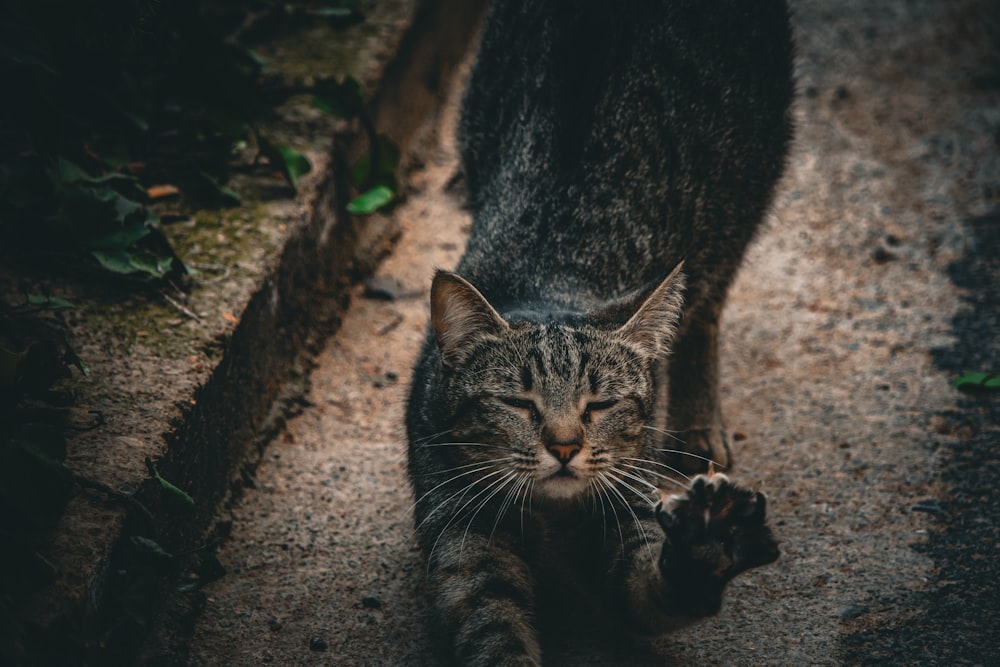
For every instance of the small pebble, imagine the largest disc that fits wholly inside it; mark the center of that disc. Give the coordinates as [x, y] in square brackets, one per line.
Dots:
[929, 505]
[371, 602]
[382, 288]
[274, 624]
[881, 255]
[317, 644]
[851, 610]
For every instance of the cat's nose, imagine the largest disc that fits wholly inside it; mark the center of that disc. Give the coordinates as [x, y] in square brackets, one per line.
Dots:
[564, 451]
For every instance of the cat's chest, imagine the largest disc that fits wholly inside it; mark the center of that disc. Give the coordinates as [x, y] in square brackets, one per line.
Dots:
[571, 539]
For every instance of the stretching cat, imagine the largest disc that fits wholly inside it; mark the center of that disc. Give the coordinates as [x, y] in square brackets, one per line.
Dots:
[618, 161]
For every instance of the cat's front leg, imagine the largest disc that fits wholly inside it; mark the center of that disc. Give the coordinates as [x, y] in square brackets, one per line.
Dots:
[695, 425]
[713, 532]
[484, 594]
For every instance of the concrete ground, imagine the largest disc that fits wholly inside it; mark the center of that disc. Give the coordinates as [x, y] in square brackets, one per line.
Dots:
[872, 289]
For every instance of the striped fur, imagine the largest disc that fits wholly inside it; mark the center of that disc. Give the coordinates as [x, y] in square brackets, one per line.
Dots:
[618, 163]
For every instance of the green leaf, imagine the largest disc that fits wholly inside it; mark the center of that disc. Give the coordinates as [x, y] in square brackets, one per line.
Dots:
[343, 99]
[150, 548]
[388, 160]
[49, 302]
[220, 191]
[331, 12]
[371, 201]
[70, 172]
[124, 208]
[978, 381]
[175, 495]
[132, 262]
[73, 358]
[295, 165]
[121, 239]
[116, 261]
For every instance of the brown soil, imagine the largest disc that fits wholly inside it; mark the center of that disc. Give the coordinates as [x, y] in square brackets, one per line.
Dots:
[830, 376]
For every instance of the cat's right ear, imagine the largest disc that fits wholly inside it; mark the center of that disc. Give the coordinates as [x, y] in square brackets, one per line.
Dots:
[461, 316]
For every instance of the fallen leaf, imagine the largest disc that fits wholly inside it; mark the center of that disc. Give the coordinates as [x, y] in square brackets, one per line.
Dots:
[229, 317]
[161, 191]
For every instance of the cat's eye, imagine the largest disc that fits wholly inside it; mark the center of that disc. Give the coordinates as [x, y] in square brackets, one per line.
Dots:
[596, 406]
[522, 404]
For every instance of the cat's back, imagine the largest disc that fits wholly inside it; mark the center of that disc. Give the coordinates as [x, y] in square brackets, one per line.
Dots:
[603, 143]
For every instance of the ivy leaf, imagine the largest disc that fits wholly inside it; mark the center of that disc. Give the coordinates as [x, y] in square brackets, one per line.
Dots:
[134, 262]
[69, 172]
[121, 239]
[371, 201]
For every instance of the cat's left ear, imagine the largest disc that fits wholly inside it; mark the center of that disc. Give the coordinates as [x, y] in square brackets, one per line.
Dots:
[654, 323]
[461, 317]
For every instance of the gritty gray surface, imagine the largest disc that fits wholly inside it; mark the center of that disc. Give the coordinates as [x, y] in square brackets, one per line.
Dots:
[872, 289]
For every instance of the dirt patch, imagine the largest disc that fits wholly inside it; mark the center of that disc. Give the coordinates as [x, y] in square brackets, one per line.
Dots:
[836, 371]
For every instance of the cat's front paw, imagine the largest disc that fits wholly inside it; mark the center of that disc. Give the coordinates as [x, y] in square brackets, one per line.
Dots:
[714, 531]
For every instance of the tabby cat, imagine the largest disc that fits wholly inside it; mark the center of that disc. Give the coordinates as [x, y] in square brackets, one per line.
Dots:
[618, 161]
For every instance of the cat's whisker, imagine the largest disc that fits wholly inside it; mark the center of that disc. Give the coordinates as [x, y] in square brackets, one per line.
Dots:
[484, 465]
[527, 485]
[461, 492]
[694, 456]
[426, 438]
[531, 495]
[662, 465]
[608, 485]
[599, 496]
[457, 515]
[635, 517]
[652, 487]
[655, 474]
[508, 501]
[468, 444]
[669, 434]
[499, 485]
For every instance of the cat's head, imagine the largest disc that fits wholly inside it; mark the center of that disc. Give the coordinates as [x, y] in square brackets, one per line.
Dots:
[562, 408]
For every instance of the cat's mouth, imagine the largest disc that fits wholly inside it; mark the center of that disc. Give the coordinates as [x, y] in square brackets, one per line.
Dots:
[564, 483]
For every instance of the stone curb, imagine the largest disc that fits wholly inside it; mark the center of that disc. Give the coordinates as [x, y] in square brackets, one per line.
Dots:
[204, 418]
